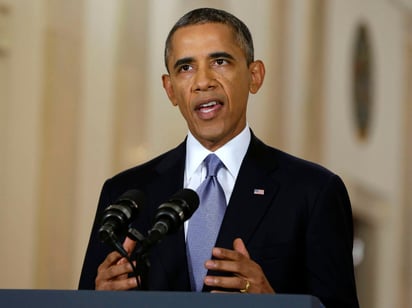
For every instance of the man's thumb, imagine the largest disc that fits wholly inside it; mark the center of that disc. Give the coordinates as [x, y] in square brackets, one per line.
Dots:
[239, 246]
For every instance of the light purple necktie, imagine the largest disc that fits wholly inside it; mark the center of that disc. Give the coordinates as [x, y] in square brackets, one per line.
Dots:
[205, 222]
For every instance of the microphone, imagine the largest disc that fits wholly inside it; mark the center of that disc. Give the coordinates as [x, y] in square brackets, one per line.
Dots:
[118, 216]
[171, 215]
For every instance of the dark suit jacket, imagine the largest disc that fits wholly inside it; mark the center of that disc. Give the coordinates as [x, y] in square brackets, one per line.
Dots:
[299, 231]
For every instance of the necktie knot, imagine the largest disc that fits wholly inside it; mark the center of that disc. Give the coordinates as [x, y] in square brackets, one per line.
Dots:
[213, 165]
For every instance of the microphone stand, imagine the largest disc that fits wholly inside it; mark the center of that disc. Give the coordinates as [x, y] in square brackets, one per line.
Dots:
[141, 256]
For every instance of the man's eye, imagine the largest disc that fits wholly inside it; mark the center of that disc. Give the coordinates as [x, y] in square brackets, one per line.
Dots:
[185, 68]
[221, 61]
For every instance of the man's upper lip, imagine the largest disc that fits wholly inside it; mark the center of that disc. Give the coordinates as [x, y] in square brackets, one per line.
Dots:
[208, 101]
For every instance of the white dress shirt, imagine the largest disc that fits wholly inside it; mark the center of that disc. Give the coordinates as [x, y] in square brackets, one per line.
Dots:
[231, 155]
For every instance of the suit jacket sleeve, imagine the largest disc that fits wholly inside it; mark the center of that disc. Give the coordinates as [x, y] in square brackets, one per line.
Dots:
[329, 241]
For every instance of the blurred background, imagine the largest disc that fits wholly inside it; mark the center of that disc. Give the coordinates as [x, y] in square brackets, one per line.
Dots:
[81, 99]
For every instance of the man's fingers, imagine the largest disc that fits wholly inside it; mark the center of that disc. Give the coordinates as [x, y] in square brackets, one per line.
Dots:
[118, 285]
[111, 272]
[129, 245]
[115, 277]
[235, 283]
[234, 267]
[248, 276]
[239, 246]
[112, 258]
[238, 253]
[236, 261]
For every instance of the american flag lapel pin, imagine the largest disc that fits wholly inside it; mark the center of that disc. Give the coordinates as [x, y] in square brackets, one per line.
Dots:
[258, 191]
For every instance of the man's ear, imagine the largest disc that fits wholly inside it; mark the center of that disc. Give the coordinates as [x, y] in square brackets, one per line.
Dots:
[257, 73]
[167, 85]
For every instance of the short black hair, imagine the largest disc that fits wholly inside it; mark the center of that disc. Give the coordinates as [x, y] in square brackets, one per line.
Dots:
[211, 15]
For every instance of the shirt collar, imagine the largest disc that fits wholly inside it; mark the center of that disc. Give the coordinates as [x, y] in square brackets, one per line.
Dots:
[231, 154]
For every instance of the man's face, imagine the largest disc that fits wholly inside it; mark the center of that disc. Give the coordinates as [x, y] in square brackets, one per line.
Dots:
[210, 82]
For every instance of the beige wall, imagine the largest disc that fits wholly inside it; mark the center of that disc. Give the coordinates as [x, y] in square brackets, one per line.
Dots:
[407, 154]
[374, 168]
[81, 99]
[21, 72]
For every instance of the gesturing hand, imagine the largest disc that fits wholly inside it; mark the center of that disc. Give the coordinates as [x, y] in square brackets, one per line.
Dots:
[248, 276]
[112, 274]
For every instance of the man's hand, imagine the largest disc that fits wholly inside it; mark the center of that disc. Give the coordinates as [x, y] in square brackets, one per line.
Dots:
[247, 276]
[112, 274]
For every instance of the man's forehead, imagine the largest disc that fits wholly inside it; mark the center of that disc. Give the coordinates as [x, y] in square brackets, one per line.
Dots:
[203, 30]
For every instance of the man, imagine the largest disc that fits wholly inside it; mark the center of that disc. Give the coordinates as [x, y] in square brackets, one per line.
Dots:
[288, 223]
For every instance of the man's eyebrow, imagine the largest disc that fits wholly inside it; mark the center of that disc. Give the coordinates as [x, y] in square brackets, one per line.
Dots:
[183, 61]
[221, 54]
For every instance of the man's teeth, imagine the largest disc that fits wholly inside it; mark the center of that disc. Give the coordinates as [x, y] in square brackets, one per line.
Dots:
[210, 104]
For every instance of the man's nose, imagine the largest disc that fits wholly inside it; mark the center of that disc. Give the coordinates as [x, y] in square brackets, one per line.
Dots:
[204, 80]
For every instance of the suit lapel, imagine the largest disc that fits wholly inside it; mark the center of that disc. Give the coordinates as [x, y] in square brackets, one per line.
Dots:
[252, 194]
[170, 171]
[169, 180]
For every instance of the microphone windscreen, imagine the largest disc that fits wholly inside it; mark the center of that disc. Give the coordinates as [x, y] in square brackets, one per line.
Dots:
[134, 195]
[190, 197]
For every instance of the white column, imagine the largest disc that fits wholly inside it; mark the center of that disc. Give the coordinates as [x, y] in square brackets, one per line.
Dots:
[296, 84]
[166, 126]
[97, 116]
